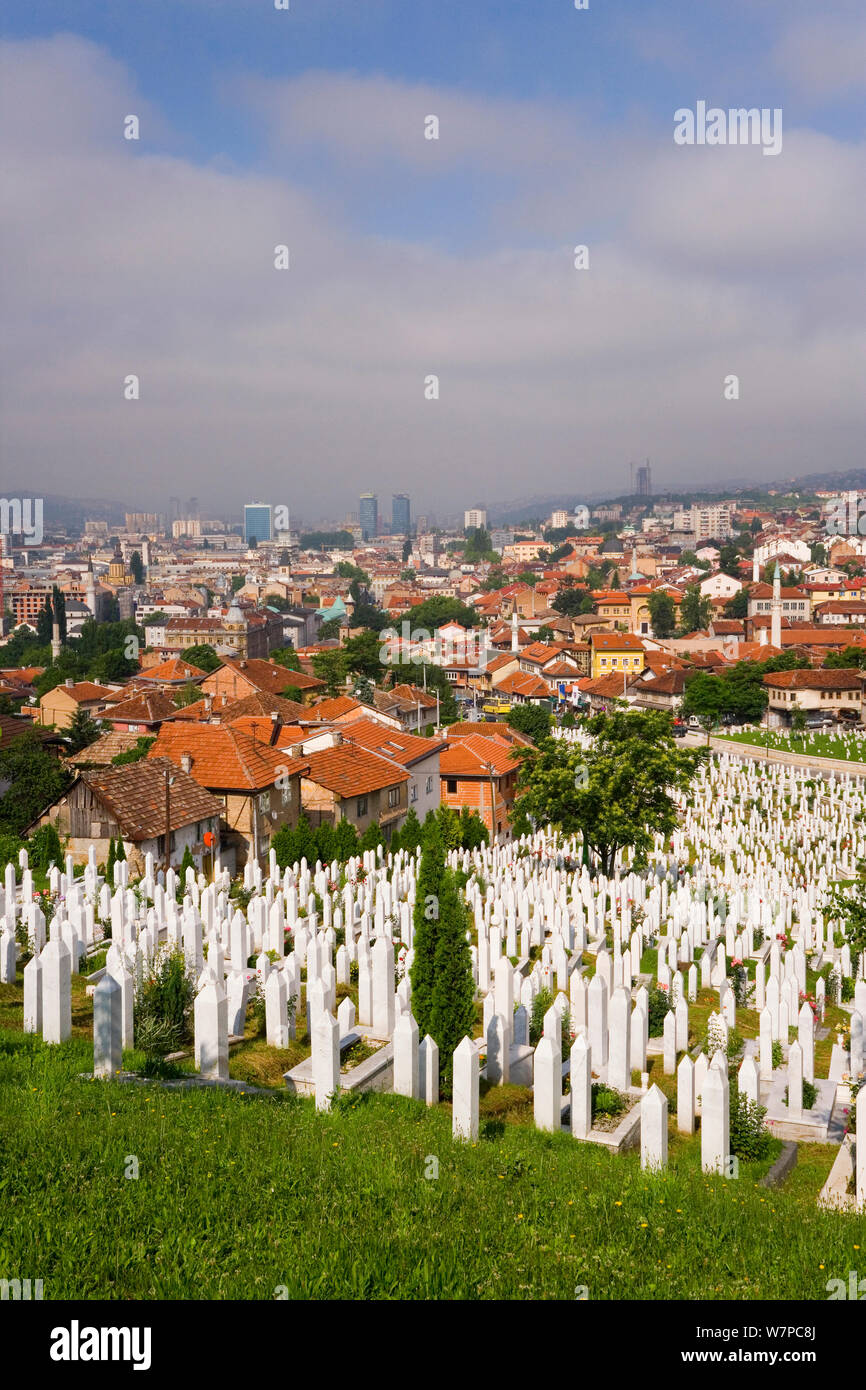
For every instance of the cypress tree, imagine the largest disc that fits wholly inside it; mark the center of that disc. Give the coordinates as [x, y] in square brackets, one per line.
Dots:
[425, 920]
[120, 851]
[453, 1004]
[346, 839]
[109, 868]
[410, 835]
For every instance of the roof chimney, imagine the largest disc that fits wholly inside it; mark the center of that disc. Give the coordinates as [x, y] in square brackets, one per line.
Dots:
[186, 761]
[208, 704]
[69, 682]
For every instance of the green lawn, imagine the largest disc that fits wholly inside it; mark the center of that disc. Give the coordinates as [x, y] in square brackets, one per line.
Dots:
[818, 744]
[239, 1196]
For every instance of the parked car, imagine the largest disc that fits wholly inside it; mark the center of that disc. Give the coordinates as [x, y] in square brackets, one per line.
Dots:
[815, 719]
[679, 729]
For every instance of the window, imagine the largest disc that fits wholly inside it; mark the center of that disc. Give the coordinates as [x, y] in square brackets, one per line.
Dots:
[362, 806]
[393, 796]
[429, 785]
[451, 786]
[413, 795]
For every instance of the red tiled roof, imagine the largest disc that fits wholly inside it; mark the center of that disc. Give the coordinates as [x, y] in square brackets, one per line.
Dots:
[350, 770]
[223, 758]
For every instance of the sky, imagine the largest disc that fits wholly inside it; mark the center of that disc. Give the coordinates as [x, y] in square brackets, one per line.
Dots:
[412, 258]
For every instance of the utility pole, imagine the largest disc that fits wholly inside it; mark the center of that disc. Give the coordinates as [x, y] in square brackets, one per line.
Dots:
[167, 857]
[492, 805]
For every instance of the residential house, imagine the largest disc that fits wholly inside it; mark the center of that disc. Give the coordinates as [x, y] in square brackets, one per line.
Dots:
[478, 771]
[343, 780]
[259, 785]
[129, 803]
[238, 678]
[829, 691]
[60, 705]
[616, 651]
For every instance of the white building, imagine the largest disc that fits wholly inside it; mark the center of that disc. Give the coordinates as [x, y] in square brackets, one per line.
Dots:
[476, 518]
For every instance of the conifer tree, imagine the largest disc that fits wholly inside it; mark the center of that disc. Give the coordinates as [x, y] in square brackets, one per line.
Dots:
[410, 835]
[346, 840]
[426, 928]
[453, 1003]
[109, 867]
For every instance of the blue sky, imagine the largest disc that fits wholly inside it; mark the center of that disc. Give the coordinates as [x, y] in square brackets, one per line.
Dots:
[411, 256]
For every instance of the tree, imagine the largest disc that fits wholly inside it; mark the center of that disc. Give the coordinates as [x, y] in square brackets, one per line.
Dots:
[36, 781]
[362, 655]
[798, 719]
[435, 611]
[45, 623]
[705, 698]
[472, 830]
[187, 695]
[848, 659]
[619, 792]
[58, 599]
[238, 582]
[425, 918]
[110, 863]
[368, 615]
[82, 731]
[738, 606]
[371, 838]
[364, 692]
[288, 657]
[135, 564]
[326, 842]
[187, 862]
[410, 835]
[452, 1011]
[346, 840]
[663, 616]
[695, 611]
[729, 561]
[203, 656]
[134, 755]
[44, 848]
[531, 720]
[120, 850]
[330, 666]
[329, 630]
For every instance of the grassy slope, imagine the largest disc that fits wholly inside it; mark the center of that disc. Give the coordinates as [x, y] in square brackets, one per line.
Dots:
[238, 1195]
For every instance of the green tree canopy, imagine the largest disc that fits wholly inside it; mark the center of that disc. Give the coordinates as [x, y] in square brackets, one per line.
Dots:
[619, 792]
[36, 780]
[663, 616]
[203, 656]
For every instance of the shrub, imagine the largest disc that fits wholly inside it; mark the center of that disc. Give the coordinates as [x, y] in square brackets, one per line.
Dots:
[660, 1005]
[777, 1054]
[749, 1138]
[44, 848]
[606, 1100]
[163, 1005]
[735, 1044]
[810, 1094]
[540, 1004]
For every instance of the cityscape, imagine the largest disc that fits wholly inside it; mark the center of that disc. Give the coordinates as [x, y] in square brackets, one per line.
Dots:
[432, 670]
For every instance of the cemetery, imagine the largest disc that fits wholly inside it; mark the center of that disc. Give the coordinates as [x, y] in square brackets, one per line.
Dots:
[537, 1077]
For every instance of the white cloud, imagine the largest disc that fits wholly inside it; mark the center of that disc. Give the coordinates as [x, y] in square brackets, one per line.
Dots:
[825, 55]
[307, 385]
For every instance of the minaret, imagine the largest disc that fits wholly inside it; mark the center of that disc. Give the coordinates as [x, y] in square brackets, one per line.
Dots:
[776, 610]
[55, 640]
[515, 645]
[90, 587]
[756, 568]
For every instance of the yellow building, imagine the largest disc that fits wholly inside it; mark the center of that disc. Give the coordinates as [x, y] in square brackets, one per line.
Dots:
[616, 651]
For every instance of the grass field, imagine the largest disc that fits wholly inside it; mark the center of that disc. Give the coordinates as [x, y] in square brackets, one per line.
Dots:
[818, 744]
[247, 1196]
